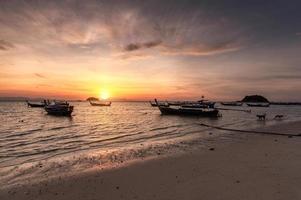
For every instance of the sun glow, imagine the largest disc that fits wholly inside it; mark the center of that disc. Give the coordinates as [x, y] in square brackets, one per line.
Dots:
[104, 95]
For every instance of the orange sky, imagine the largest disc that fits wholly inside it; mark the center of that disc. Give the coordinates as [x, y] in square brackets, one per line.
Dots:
[71, 50]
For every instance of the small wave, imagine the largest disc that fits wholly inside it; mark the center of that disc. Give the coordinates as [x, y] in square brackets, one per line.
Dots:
[61, 127]
[24, 133]
[167, 127]
[24, 154]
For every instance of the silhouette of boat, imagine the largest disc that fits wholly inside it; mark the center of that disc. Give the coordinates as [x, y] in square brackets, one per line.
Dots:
[100, 103]
[153, 104]
[35, 105]
[194, 104]
[182, 110]
[209, 104]
[233, 103]
[177, 103]
[59, 109]
[259, 104]
[197, 105]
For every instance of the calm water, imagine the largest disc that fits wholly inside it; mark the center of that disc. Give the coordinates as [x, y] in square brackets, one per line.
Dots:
[33, 143]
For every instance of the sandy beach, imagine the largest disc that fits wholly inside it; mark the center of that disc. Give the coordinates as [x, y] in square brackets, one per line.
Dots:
[256, 167]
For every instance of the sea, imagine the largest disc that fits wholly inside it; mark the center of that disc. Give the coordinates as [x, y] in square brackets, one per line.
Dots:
[35, 146]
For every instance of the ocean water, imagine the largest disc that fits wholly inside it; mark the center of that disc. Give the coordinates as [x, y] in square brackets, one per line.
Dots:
[34, 144]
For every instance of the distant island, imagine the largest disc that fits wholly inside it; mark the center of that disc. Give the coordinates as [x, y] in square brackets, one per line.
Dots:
[255, 98]
[92, 99]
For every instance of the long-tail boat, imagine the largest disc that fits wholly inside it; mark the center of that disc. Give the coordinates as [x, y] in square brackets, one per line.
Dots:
[59, 109]
[35, 105]
[100, 103]
[182, 110]
[232, 103]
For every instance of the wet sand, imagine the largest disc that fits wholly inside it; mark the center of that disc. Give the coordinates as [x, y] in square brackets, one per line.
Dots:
[257, 167]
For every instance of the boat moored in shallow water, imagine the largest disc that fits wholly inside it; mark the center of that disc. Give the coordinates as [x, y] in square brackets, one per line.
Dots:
[35, 105]
[100, 103]
[232, 103]
[154, 104]
[59, 109]
[193, 111]
[204, 112]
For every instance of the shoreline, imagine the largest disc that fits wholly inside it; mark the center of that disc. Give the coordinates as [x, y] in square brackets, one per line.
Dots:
[256, 167]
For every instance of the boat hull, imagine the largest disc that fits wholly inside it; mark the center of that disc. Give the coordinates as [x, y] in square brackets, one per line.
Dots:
[35, 105]
[195, 106]
[184, 111]
[59, 110]
[231, 104]
[100, 104]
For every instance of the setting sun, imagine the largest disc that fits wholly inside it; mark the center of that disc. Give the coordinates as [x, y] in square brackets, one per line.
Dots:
[104, 95]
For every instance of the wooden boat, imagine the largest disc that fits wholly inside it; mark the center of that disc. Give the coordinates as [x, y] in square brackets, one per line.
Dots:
[60, 103]
[176, 103]
[195, 105]
[207, 103]
[35, 105]
[233, 103]
[100, 103]
[260, 104]
[204, 112]
[59, 109]
[180, 110]
[153, 104]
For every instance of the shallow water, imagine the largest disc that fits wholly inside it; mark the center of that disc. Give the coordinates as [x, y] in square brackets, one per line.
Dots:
[32, 142]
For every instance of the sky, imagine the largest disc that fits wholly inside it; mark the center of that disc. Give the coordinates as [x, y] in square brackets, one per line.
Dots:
[171, 49]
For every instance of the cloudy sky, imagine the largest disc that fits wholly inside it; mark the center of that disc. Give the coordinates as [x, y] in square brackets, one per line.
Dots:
[144, 49]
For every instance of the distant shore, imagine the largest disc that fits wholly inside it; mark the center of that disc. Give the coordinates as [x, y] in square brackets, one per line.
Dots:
[255, 167]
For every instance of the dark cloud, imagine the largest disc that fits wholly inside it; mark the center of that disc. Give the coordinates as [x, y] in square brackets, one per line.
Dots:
[132, 47]
[145, 45]
[5, 45]
[288, 77]
[39, 75]
[270, 78]
[187, 49]
[200, 50]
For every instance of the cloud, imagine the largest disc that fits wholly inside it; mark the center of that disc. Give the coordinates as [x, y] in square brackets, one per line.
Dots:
[39, 75]
[145, 45]
[135, 55]
[132, 47]
[184, 49]
[117, 28]
[5, 45]
[298, 34]
[199, 50]
[296, 76]
[276, 77]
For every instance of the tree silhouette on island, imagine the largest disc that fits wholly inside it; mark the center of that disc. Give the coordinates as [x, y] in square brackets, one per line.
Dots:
[92, 99]
[255, 98]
